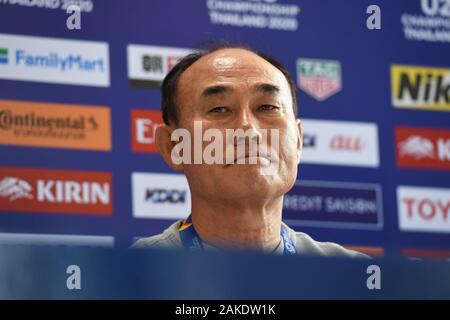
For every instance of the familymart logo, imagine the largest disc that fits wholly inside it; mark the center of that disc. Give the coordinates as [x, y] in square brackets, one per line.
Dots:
[227, 147]
[54, 60]
[3, 56]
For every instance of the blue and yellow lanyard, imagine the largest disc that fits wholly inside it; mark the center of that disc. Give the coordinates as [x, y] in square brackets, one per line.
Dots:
[191, 240]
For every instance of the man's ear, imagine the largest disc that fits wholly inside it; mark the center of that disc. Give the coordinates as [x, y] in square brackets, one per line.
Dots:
[165, 145]
[299, 140]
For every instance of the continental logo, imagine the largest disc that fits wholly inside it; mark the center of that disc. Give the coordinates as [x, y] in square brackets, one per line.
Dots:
[52, 125]
[417, 87]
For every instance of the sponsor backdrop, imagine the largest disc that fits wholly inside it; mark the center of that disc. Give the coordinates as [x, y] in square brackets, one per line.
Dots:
[78, 109]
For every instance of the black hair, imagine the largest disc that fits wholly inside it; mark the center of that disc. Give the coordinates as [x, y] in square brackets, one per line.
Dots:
[170, 82]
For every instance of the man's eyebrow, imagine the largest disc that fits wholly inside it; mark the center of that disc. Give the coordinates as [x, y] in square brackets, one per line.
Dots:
[219, 89]
[267, 88]
[214, 90]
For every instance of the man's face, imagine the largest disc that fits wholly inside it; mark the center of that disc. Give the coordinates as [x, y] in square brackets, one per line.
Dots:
[236, 89]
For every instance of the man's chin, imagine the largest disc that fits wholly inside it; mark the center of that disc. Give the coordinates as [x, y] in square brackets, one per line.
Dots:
[253, 174]
[250, 182]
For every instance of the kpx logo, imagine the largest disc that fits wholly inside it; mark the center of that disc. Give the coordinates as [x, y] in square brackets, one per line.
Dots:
[417, 87]
[423, 148]
[319, 78]
[160, 196]
[54, 60]
[148, 65]
[340, 143]
[54, 125]
[143, 128]
[423, 209]
[56, 191]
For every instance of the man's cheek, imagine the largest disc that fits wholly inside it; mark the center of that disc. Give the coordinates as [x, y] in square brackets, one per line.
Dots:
[288, 143]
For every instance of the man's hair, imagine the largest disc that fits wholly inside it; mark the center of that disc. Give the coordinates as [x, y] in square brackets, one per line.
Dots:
[170, 83]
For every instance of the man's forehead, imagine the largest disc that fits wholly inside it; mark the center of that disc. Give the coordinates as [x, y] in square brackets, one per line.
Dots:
[232, 65]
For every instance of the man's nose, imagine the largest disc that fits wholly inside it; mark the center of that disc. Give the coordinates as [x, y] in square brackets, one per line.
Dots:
[247, 121]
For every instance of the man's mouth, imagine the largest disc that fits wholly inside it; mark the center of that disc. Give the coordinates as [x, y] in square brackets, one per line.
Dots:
[263, 159]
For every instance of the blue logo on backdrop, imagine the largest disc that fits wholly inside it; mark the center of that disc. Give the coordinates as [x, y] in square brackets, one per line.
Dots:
[165, 196]
[62, 63]
[3, 55]
[334, 204]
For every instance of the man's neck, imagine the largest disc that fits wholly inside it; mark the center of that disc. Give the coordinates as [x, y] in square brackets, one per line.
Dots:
[238, 225]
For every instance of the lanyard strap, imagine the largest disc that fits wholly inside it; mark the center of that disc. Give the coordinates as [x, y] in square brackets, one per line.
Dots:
[191, 240]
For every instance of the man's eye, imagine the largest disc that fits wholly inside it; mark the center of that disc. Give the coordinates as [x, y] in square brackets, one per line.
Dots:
[268, 107]
[219, 109]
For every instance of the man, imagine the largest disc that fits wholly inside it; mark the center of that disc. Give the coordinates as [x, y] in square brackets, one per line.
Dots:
[235, 205]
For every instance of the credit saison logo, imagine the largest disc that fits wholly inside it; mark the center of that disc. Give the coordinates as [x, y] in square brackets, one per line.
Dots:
[417, 87]
[3, 55]
[54, 125]
[334, 204]
[54, 60]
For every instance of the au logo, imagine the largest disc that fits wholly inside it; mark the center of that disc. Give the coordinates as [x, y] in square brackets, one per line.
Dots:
[319, 78]
[418, 87]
